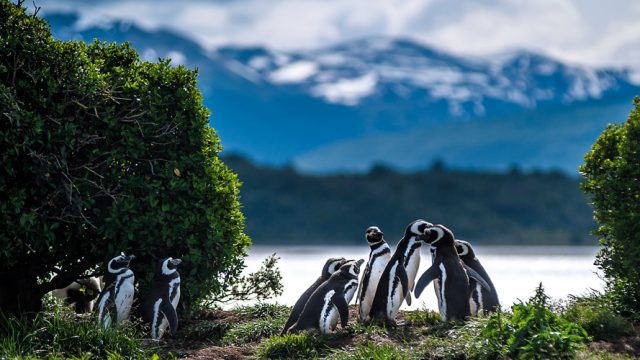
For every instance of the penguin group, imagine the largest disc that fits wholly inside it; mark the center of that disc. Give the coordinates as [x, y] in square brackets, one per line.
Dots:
[115, 300]
[463, 287]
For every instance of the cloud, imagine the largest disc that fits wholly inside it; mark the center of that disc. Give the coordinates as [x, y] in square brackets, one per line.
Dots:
[582, 31]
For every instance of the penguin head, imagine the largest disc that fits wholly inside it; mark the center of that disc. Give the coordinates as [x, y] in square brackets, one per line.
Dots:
[332, 265]
[119, 263]
[464, 249]
[168, 266]
[417, 229]
[374, 235]
[352, 268]
[439, 235]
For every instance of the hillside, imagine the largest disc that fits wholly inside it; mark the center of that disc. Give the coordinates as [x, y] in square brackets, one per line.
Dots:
[347, 106]
[284, 206]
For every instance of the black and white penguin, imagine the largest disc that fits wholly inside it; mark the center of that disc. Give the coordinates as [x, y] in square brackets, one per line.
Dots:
[396, 280]
[329, 303]
[480, 298]
[378, 260]
[330, 267]
[451, 273]
[160, 304]
[81, 294]
[114, 303]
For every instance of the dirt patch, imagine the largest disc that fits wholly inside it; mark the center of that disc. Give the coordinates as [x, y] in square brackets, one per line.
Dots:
[626, 345]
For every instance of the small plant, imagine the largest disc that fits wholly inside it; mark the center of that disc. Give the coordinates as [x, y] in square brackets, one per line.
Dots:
[264, 310]
[253, 331]
[372, 351]
[422, 317]
[292, 346]
[596, 314]
[532, 331]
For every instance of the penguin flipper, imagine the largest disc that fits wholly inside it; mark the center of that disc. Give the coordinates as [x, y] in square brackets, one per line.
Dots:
[343, 309]
[171, 315]
[477, 277]
[428, 276]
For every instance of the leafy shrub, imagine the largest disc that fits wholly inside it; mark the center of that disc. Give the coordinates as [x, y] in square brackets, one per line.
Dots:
[595, 313]
[372, 351]
[532, 331]
[63, 335]
[292, 346]
[104, 153]
[611, 172]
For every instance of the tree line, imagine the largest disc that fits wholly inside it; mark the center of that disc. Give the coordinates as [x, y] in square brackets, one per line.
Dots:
[285, 206]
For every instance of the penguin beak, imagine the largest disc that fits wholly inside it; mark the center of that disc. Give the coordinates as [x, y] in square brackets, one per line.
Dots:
[176, 262]
[130, 257]
[360, 262]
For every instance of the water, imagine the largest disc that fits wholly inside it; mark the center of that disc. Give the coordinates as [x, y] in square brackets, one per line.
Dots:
[515, 270]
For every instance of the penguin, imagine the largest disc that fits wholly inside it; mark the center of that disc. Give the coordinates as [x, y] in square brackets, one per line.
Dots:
[378, 259]
[451, 273]
[394, 284]
[329, 303]
[330, 266]
[160, 304]
[81, 293]
[115, 300]
[480, 298]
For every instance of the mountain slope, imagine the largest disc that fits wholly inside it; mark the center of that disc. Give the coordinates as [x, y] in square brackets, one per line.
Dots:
[393, 100]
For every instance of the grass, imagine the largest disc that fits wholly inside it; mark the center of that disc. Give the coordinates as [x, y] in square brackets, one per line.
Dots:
[371, 350]
[65, 335]
[292, 346]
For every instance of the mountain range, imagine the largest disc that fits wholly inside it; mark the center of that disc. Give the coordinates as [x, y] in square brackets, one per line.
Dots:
[346, 107]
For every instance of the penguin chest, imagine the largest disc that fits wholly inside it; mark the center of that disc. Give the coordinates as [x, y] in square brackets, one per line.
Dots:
[476, 302]
[441, 287]
[412, 267]
[376, 269]
[395, 294]
[329, 315]
[350, 290]
[174, 292]
[124, 298]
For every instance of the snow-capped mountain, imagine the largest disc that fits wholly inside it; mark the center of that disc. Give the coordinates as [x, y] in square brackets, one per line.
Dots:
[349, 105]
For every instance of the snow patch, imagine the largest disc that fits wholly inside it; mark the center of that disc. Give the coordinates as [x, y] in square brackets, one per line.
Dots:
[259, 62]
[347, 91]
[294, 73]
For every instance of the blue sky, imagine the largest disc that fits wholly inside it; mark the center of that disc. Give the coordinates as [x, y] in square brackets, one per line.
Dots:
[590, 32]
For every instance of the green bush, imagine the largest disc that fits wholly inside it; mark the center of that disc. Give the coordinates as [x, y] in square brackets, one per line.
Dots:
[611, 172]
[595, 313]
[292, 346]
[104, 153]
[532, 331]
[63, 335]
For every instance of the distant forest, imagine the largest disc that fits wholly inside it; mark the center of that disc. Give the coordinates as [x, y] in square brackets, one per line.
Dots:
[284, 206]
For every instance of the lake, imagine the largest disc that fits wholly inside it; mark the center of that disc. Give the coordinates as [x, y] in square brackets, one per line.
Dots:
[515, 270]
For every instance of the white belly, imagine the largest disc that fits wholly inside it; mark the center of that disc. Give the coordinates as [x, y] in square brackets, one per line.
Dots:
[374, 279]
[412, 268]
[394, 299]
[329, 315]
[124, 299]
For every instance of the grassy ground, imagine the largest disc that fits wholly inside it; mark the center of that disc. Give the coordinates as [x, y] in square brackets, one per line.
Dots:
[253, 332]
